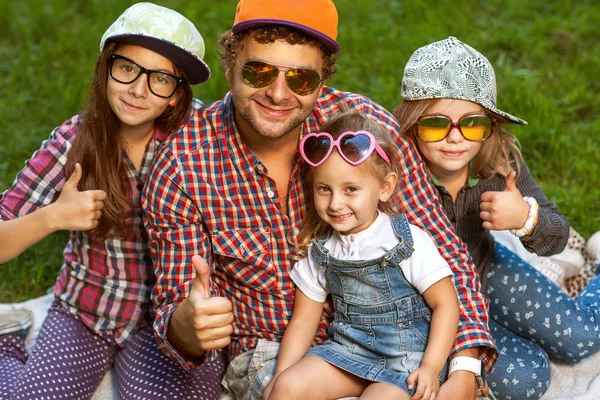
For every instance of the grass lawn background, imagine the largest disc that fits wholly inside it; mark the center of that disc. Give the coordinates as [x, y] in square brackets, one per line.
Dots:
[546, 55]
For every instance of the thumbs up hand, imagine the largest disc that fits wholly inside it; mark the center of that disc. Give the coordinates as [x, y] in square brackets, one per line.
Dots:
[504, 210]
[210, 318]
[75, 210]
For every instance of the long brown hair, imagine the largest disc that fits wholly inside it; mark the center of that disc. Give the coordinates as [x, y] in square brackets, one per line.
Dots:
[230, 44]
[499, 154]
[97, 145]
[313, 226]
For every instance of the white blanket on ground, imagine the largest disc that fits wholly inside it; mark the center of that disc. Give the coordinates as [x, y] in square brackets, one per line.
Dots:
[107, 389]
[577, 382]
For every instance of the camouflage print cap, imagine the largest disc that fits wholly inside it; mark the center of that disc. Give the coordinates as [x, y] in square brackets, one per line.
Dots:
[164, 31]
[451, 69]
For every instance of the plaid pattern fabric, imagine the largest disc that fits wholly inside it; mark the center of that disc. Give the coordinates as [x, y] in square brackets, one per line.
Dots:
[211, 196]
[106, 283]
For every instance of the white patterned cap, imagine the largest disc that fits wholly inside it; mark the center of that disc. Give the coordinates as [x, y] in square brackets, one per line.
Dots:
[451, 69]
[164, 31]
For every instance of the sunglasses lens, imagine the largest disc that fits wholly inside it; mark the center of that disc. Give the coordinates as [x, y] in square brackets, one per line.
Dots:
[258, 74]
[433, 129]
[476, 128]
[356, 148]
[302, 81]
[316, 148]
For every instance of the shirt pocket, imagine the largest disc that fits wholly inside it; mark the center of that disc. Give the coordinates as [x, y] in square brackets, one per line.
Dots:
[245, 255]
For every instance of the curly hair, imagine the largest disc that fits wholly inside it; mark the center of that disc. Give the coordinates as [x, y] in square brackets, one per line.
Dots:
[230, 44]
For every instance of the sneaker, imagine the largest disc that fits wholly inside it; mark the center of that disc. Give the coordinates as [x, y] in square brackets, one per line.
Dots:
[16, 322]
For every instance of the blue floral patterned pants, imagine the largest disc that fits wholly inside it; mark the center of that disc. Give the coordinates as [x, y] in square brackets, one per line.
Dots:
[532, 320]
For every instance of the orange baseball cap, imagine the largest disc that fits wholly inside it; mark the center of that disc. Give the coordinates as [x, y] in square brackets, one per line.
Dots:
[317, 18]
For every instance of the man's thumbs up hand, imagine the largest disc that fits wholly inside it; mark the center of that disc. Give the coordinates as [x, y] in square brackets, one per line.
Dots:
[207, 320]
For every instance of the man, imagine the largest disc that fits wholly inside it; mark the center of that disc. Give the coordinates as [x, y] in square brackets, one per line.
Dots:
[228, 187]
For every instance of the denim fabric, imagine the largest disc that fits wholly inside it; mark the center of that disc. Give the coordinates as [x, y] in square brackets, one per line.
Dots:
[532, 319]
[381, 322]
[248, 374]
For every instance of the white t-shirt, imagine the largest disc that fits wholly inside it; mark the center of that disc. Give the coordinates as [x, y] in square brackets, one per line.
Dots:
[424, 268]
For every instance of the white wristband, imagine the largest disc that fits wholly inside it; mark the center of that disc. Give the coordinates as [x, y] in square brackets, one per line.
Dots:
[464, 363]
[473, 365]
[531, 218]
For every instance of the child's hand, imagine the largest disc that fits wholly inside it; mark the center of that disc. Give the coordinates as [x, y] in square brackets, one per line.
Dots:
[75, 210]
[427, 381]
[504, 210]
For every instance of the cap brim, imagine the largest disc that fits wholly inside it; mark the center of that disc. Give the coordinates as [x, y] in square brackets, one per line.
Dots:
[509, 117]
[196, 69]
[329, 43]
[506, 116]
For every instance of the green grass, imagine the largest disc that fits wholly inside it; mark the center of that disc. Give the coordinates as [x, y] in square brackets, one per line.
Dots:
[546, 55]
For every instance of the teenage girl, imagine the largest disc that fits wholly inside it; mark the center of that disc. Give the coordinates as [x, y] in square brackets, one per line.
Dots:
[396, 309]
[88, 177]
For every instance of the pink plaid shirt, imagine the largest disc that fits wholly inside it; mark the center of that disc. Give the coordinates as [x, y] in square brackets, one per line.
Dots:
[211, 196]
[106, 283]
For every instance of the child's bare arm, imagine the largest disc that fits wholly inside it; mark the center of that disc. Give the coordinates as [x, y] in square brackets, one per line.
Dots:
[298, 335]
[300, 332]
[73, 210]
[441, 297]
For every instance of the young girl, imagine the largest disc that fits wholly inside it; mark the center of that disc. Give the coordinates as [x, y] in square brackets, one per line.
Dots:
[449, 111]
[98, 162]
[387, 280]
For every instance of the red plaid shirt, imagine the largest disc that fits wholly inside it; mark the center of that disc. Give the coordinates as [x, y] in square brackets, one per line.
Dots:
[106, 283]
[211, 196]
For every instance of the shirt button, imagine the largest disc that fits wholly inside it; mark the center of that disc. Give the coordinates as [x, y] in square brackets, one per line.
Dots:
[270, 193]
[453, 220]
[140, 186]
[147, 259]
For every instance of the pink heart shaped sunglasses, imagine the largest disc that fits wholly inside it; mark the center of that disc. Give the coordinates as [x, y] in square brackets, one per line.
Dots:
[354, 147]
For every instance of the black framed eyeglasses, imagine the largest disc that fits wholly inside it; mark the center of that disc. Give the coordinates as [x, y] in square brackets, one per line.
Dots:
[160, 83]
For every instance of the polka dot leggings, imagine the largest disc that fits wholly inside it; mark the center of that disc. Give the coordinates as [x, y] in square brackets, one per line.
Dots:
[531, 320]
[69, 362]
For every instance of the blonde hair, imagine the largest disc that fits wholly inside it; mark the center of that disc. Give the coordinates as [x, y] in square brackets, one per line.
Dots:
[499, 154]
[313, 226]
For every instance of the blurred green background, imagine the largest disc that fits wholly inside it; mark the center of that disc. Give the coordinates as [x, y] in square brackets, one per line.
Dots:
[546, 55]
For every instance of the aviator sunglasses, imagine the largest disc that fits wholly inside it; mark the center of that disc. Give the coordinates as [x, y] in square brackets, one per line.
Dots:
[434, 128]
[259, 74]
[354, 147]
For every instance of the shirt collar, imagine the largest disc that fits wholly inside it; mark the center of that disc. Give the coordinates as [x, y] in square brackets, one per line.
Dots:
[471, 181]
[242, 157]
[364, 236]
[159, 134]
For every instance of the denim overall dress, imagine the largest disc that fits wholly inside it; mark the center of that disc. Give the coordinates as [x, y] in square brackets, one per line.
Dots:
[381, 322]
